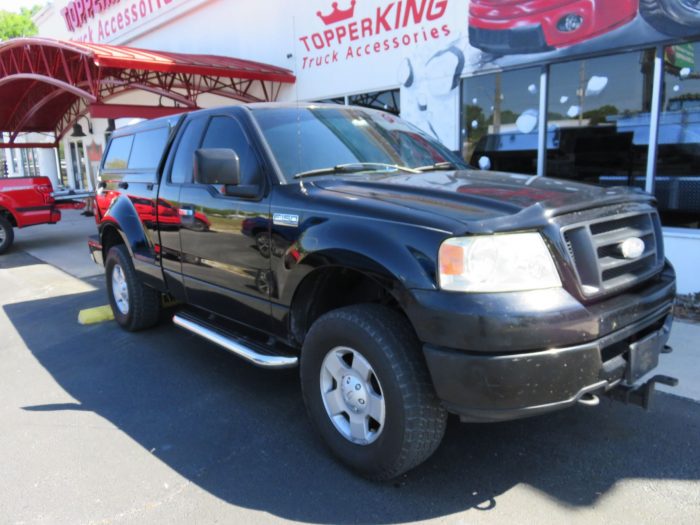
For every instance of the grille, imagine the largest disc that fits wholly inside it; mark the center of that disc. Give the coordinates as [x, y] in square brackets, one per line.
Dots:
[595, 251]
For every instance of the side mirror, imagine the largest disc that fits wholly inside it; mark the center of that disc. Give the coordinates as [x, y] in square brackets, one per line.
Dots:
[220, 166]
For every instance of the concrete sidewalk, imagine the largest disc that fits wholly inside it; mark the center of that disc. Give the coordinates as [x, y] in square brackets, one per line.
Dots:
[684, 361]
[64, 245]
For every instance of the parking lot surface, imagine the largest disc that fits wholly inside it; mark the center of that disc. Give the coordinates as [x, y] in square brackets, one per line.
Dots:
[102, 426]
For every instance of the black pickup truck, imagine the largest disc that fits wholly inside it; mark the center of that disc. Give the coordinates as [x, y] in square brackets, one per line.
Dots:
[404, 285]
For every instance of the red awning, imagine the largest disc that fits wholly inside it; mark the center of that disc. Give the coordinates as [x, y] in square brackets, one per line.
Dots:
[47, 85]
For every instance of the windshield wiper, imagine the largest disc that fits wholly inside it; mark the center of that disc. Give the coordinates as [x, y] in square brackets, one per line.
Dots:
[447, 165]
[354, 167]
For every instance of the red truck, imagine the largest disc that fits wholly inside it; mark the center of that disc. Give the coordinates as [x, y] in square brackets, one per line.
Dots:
[505, 27]
[27, 201]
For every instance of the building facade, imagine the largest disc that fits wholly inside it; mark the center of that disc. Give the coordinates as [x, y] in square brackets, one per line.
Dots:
[588, 90]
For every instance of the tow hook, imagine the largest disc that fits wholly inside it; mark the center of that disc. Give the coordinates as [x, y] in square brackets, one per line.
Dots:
[640, 395]
[589, 400]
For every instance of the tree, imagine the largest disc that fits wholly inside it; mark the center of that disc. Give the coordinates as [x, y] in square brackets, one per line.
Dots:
[599, 115]
[14, 25]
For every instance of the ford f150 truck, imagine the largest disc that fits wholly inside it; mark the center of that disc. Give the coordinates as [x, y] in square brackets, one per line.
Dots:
[403, 284]
[27, 201]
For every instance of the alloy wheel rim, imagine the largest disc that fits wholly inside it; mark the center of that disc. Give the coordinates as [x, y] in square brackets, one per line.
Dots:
[352, 395]
[120, 290]
[2, 236]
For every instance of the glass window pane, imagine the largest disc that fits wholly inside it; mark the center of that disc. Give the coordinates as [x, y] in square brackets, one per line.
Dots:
[598, 119]
[183, 163]
[117, 155]
[225, 132]
[148, 149]
[320, 138]
[389, 101]
[499, 120]
[678, 163]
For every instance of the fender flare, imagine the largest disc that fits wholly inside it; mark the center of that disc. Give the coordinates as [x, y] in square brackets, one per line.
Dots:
[391, 258]
[122, 216]
[9, 215]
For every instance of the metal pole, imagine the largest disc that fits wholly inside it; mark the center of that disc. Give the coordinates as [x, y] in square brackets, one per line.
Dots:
[542, 123]
[656, 101]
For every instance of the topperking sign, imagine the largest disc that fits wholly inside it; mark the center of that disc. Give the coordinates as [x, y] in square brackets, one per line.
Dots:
[100, 20]
[345, 35]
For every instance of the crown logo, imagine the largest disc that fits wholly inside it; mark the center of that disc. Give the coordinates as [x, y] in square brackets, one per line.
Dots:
[337, 15]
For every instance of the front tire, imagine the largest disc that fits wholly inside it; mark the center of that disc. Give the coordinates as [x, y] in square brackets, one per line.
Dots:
[7, 234]
[368, 391]
[672, 17]
[134, 305]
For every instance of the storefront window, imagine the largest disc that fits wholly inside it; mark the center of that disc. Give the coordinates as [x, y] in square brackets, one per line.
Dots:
[389, 101]
[677, 181]
[598, 119]
[499, 120]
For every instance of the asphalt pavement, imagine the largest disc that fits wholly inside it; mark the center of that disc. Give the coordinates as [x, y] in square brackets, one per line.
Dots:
[102, 426]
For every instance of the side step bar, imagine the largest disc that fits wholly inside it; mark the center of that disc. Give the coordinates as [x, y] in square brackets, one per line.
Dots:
[235, 346]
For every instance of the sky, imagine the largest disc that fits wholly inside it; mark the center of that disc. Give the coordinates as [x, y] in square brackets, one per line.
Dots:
[15, 5]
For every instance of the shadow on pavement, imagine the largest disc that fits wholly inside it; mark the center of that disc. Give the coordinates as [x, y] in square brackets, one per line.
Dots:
[14, 258]
[241, 433]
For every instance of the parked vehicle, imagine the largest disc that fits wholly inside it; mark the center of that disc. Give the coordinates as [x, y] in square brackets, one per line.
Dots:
[404, 285]
[505, 27]
[27, 201]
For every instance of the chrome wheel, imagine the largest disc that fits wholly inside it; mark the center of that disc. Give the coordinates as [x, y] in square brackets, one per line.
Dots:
[2, 235]
[352, 395]
[120, 290]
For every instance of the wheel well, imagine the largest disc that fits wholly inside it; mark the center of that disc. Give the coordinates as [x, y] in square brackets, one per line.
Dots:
[110, 238]
[330, 288]
[11, 218]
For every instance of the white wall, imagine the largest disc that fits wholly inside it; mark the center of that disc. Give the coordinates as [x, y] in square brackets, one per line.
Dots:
[683, 250]
[421, 52]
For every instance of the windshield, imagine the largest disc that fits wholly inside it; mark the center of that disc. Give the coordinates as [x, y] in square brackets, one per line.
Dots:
[317, 140]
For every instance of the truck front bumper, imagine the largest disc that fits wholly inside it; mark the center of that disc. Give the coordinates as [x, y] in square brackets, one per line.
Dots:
[515, 355]
[511, 386]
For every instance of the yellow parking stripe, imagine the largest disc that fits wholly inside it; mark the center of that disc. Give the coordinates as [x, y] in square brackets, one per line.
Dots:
[95, 315]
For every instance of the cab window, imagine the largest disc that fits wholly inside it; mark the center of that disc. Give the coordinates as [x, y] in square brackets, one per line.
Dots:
[226, 132]
[147, 149]
[118, 153]
[182, 168]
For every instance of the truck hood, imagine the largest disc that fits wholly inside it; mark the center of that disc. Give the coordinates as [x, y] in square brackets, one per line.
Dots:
[484, 200]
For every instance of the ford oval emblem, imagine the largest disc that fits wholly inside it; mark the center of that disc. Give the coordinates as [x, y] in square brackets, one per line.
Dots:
[632, 248]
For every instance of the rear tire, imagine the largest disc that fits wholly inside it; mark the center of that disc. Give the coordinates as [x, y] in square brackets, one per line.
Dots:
[135, 306]
[380, 386]
[672, 17]
[7, 235]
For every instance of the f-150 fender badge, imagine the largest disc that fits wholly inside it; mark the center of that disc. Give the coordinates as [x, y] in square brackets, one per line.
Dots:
[285, 219]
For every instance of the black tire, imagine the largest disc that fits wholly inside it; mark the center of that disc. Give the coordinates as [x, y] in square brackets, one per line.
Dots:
[671, 17]
[414, 421]
[143, 303]
[7, 234]
[200, 226]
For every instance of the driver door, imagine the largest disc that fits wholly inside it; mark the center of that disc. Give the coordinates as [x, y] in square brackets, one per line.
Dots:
[225, 239]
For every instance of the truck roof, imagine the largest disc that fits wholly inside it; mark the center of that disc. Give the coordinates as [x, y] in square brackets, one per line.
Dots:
[172, 120]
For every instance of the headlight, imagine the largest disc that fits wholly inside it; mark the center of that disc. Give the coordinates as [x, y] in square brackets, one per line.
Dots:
[496, 263]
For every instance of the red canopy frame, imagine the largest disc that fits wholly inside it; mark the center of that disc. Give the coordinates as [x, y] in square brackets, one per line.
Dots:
[46, 85]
